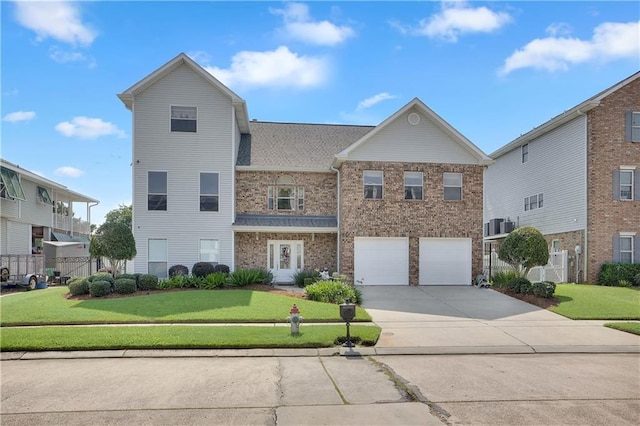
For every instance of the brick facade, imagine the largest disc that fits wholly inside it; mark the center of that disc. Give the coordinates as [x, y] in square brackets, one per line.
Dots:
[393, 216]
[569, 241]
[606, 152]
[319, 192]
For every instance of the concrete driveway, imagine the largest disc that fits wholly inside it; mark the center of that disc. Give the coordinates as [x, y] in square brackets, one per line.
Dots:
[467, 319]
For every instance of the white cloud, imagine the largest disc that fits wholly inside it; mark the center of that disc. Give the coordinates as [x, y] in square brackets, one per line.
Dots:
[14, 117]
[457, 18]
[88, 128]
[64, 56]
[300, 26]
[280, 67]
[59, 20]
[369, 102]
[610, 41]
[68, 171]
[558, 28]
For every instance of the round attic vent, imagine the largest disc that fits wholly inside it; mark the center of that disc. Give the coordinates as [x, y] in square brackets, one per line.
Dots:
[413, 119]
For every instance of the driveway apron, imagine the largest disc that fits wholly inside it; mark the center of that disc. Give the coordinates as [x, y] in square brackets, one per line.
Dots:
[468, 319]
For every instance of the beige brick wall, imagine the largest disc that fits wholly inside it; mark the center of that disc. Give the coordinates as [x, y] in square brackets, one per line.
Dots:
[393, 216]
[569, 241]
[319, 192]
[319, 249]
[607, 151]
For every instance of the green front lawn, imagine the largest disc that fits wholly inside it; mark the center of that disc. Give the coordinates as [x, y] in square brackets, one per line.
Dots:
[178, 336]
[43, 307]
[629, 327]
[594, 302]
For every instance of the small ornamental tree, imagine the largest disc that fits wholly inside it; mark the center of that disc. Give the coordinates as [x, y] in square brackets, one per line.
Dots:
[524, 248]
[113, 240]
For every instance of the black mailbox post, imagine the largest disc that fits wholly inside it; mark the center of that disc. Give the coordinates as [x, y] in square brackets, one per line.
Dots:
[348, 313]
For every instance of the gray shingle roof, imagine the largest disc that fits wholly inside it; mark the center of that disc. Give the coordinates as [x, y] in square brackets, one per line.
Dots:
[292, 145]
[286, 221]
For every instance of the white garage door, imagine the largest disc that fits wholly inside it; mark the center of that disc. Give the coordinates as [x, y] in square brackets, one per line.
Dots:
[381, 261]
[445, 261]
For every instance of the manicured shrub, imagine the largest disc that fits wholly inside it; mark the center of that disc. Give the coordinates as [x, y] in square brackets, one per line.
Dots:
[147, 282]
[241, 277]
[98, 288]
[79, 286]
[523, 249]
[519, 285]
[125, 286]
[75, 279]
[202, 269]
[333, 292]
[543, 289]
[300, 278]
[178, 270]
[221, 268]
[133, 277]
[102, 276]
[612, 273]
[501, 279]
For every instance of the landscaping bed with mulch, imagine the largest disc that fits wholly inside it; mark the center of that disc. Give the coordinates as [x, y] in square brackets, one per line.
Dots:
[541, 302]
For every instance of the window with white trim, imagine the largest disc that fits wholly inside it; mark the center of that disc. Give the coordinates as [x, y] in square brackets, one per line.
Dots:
[157, 258]
[534, 202]
[452, 183]
[285, 195]
[209, 192]
[525, 152]
[184, 119]
[210, 251]
[413, 185]
[157, 191]
[555, 246]
[632, 126]
[626, 249]
[626, 184]
[373, 183]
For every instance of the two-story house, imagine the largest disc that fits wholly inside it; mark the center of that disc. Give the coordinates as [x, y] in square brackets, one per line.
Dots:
[576, 178]
[398, 203]
[38, 216]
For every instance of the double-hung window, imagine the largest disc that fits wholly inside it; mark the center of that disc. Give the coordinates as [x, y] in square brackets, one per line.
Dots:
[632, 126]
[157, 258]
[626, 184]
[452, 183]
[534, 202]
[209, 192]
[10, 186]
[413, 185]
[209, 251]
[525, 152]
[157, 191]
[184, 119]
[626, 249]
[373, 182]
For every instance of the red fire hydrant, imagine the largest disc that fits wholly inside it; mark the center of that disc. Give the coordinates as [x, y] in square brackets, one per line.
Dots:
[295, 319]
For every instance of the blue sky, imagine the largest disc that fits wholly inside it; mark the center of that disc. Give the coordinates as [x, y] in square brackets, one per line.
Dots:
[493, 70]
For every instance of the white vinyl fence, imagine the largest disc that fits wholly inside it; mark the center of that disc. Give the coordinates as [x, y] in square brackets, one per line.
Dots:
[556, 270]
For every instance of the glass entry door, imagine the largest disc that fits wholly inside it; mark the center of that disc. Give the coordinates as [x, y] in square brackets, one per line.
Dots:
[284, 259]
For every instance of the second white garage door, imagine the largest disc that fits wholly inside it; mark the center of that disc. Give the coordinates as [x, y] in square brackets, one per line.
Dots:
[445, 261]
[381, 261]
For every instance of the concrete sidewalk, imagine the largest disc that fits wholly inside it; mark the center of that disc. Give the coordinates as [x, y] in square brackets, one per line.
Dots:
[471, 320]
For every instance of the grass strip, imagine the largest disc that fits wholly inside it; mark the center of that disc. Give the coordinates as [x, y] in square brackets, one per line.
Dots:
[629, 327]
[50, 307]
[594, 302]
[176, 337]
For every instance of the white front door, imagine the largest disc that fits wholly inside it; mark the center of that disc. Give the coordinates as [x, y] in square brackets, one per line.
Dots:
[284, 258]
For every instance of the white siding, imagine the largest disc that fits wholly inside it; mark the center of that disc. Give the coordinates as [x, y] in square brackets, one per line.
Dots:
[425, 142]
[3, 236]
[18, 238]
[9, 208]
[556, 167]
[33, 211]
[183, 156]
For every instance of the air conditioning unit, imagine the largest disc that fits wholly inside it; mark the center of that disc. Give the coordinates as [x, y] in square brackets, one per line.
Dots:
[494, 226]
[506, 227]
[486, 229]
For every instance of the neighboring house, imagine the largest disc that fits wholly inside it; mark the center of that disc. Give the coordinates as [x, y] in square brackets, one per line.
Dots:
[576, 178]
[38, 217]
[398, 203]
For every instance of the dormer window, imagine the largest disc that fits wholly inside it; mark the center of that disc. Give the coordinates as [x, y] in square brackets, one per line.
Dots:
[184, 119]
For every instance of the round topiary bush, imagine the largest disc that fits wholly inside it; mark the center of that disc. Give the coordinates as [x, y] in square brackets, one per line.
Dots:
[202, 269]
[102, 276]
[78, 287]
[147, 282]
[333, 292]
[99, 288]
[221, 268]
[125, 286]
[543, 289]
[178, 270]
[519, 285]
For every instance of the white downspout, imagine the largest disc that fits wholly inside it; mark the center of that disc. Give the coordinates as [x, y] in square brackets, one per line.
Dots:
[338, 219]
[233, 186]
